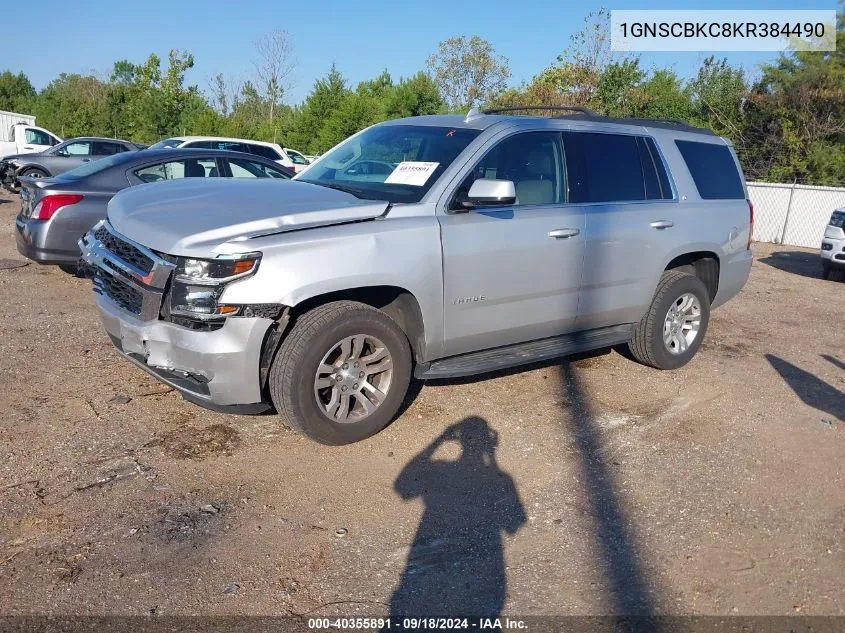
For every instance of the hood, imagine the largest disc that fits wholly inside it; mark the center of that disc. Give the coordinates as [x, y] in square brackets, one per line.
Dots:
[22, 156]
[197, 216]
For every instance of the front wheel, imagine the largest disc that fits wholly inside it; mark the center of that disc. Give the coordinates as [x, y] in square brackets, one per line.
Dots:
[342, 373]
[671, 331]
[35, 173]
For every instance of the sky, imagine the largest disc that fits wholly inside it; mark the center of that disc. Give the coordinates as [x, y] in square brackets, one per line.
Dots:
[362, 38]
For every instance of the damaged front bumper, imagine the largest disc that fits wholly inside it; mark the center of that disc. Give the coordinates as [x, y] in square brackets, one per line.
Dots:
[8, 175]
[218, 369]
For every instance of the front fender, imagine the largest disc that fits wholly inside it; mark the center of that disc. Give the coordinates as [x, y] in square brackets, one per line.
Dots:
[401, 252]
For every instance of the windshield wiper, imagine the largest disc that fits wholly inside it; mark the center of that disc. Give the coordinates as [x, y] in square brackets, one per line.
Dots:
[355, 191]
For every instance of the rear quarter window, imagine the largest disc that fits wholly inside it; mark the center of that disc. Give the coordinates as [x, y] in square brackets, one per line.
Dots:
[713, 170]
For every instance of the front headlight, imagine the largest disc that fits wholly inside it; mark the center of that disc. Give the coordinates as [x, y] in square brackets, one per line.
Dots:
[199, 283]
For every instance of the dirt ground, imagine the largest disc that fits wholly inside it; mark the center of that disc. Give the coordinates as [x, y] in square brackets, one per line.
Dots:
[592, 487]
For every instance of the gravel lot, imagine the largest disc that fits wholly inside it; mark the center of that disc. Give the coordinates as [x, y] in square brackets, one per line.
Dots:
[592, 487]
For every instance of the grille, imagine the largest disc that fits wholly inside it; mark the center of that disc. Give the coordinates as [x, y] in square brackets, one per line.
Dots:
[124, 250]
[118, 291]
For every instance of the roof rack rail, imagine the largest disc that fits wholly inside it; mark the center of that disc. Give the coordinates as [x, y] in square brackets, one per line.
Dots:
[591, 115]
[579, 109]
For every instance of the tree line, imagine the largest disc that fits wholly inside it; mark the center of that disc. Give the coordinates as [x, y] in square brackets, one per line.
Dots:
[787, 124]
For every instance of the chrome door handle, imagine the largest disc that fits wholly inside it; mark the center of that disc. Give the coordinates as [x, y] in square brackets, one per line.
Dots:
[561, 234]
[662, 224]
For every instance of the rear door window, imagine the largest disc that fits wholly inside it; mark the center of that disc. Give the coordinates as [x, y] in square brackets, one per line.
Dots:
[654, 172]
[713, 169]
[603, 167]
[102, 148]
[174, 169]
[230, 145]
[248, 169]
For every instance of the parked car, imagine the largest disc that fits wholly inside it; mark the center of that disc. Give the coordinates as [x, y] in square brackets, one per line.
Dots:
[60, 158]
[300, 161]
[273, 151]
[833, 247]
[55, 212]
[497, 240]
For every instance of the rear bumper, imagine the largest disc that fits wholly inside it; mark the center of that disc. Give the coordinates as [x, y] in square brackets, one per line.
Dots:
[34, 240]
[218, 369]
[733, 273]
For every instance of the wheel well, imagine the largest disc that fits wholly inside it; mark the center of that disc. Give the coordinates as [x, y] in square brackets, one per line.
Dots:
[399, 304]
[702, 264]
[27, 168]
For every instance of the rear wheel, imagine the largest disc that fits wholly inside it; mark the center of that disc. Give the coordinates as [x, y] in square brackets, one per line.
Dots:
[670, 333]
[342, 373]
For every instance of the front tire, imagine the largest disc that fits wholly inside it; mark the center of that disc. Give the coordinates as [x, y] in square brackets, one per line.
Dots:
[35, 173]
[671, 331]
[342, 373]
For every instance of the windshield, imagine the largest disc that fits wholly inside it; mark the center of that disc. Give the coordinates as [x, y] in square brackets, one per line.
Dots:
[167, 143]
[397, 163]
[95, 166]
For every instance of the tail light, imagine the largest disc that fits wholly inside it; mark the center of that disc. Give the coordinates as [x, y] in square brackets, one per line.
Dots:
[750, 223]
[48, 205]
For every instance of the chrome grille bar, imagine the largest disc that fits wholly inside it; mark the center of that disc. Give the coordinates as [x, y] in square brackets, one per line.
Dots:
[110, 268]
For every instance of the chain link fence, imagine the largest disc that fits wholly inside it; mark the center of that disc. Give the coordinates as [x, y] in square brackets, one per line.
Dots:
[793, 214]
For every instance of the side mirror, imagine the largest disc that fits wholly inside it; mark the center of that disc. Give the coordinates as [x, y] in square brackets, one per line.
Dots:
[486, 192]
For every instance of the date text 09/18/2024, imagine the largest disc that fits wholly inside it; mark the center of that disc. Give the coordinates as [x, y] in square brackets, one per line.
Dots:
[417, 623]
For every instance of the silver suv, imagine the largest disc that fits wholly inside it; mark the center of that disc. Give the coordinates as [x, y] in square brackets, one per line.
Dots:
[437, 247]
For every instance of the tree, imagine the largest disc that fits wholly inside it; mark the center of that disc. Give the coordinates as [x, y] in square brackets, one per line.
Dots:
[274, 67]
[416, 96]
[795, 118]
[16, 92]
[719, 91]
[468, 71]
[617, 88]
[324, 99]
[74, 105]
[224, 93]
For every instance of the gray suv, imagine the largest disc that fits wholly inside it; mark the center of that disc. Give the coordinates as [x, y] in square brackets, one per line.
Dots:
[437, 246]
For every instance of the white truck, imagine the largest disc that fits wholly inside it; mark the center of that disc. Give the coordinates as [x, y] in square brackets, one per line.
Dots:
[20, 135]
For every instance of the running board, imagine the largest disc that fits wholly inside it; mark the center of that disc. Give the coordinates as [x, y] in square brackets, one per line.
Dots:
[523, 353]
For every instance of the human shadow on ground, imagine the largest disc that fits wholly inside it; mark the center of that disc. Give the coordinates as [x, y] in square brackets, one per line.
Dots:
[812, 390]
[455, 566]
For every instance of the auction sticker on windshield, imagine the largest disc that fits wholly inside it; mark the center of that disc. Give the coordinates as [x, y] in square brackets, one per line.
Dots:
[411, 173]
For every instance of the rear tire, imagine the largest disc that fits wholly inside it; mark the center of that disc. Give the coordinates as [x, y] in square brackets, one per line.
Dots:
[311, 368]
[671, 331]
